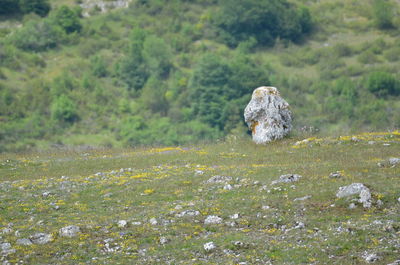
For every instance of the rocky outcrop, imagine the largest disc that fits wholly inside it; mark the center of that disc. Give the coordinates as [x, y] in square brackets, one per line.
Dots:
[268, 115]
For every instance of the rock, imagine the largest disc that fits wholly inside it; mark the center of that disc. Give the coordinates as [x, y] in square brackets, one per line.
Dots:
[213, 219]
[6, 249]
[41, 238]
[6, 230]
[24, 242]
[352, 205]
[164, 240]
[268, 115]
[188, 213]
[219, 179]
[354, 189]
[136, 223]
[228, 187]
[153, 221]
[287, 178]
[394, 161]
[371, 258]
[335, 175]
[69, 231]
[396, 262]
[209, 246]
[234, 216]
[122, 223]
[303, 198]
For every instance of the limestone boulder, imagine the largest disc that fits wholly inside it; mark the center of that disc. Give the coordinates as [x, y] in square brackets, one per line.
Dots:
[268, 115]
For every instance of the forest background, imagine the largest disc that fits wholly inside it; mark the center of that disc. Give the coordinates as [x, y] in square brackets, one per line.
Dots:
[178, 72]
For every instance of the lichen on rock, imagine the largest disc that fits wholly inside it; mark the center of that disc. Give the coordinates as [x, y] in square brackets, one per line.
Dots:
[268, 115]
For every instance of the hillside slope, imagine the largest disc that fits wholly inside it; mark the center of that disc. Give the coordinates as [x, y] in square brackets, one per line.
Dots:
[162, 73]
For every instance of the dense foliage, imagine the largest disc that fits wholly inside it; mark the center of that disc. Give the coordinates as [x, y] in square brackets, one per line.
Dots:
[183, 71]
[39, 7]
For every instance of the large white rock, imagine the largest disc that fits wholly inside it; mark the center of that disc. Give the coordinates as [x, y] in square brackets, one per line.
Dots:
[268, 115]
[356, 189]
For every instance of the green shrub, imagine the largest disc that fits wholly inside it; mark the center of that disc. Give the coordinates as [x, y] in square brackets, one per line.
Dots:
[40, 7]
[392, 54]
[383, 14]
[240, 20]
[37, 36]
[382, 84]
[68, 19]
[64, 110]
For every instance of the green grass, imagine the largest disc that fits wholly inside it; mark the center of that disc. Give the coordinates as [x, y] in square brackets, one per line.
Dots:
[163, 178]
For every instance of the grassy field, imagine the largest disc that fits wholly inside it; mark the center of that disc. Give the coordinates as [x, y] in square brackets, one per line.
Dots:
[165, 195]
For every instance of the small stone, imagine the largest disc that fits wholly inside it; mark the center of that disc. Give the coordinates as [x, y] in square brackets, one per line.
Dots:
[228, 187]
[122, 223]
[352, 206]
[213, 219]
[303, 198]
[69, 231]
[153, 221]
[239, 244]
[136, 223]
[46, 194]
[336, 174]
[6, 231]
[6, 249]
[371, 142]
[24, 242]
[234, 216]
[219, 179]
[198, 172]
[209, 246]
[287, 178]
[371, 258]
[394, 161]
[41, 238]
[164, 240]
[188, 213]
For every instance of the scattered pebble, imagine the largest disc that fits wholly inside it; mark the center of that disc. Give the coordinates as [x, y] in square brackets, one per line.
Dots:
[213, 219]
[153, 221]
[164, 240]
[394, 161]
[41, 238]
[336, 174]
[303, 198]
[24, 242]
[219, 179]
[6, 249]
[228, 187]
[209, 246]
[122, 223]
[371, 258]
[69, 231]
[287, 179]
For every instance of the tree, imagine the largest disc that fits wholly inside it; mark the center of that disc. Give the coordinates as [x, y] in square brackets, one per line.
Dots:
[37, 36]
[40, 7]
[383, 14]
[133, 70]
[157, 56]
[67, 19]
[64, 110]
[9, 7]
[239, 20]
[383, 84]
